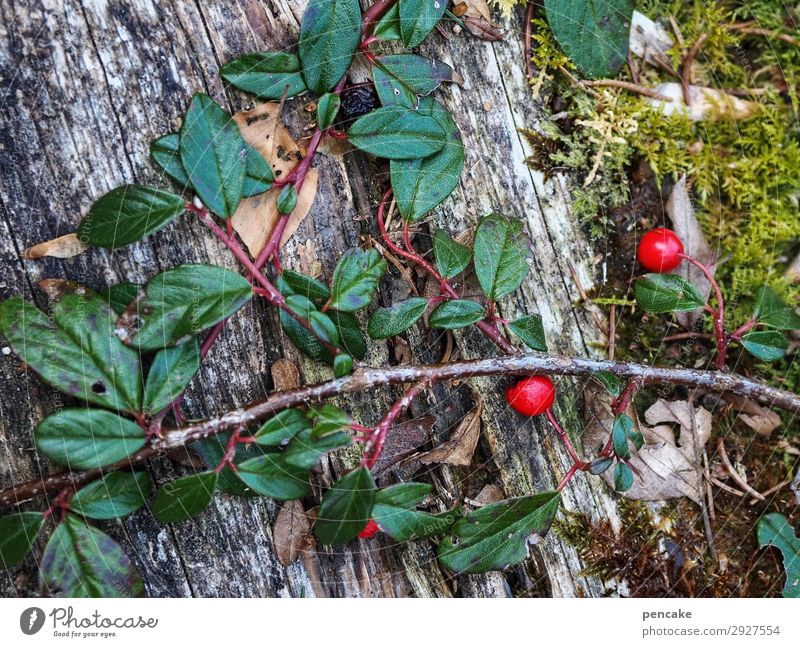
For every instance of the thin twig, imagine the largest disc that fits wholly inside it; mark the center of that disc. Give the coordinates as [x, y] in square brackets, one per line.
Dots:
[734, 474]
[632, 87]
[687, 74]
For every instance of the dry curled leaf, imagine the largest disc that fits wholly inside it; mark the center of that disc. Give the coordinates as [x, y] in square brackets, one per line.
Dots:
[255, 218]
[285, 374]
[291, 533]
[667, 469]
[705, 103]
[460, 447]
[61, 247]
[759, 418]
[489, 494]
[402, 442]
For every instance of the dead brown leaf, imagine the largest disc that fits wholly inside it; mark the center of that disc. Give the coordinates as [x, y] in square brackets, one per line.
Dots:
[403, 441]
[667, 469]
[460, 447]
[285, 374]
[256, 216]
[489, 494]
[291, 533]
[760, 419]
[62, 247]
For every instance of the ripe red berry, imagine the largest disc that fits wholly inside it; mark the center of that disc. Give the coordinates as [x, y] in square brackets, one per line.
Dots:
[370, 529]
[660, 250]
[531, 395]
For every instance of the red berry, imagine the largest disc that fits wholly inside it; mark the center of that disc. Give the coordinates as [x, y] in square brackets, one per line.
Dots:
[532, 395]
[660, 250]
[370, 529]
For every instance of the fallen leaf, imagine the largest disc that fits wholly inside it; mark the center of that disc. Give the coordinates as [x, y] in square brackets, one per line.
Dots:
[460, 447]
[681, 212]
[291, 534]
[403, 441]
[62, 247]
[666, 470]
[474, 9]
[705, 103]
[255, 218]
[489, 494]
[649, 40]
[760, 419]
[285, 374]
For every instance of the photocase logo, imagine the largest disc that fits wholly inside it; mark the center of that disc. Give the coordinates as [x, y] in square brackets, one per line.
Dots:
[31, 620]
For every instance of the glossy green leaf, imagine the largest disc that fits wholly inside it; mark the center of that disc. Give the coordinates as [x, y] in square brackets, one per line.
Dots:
[420, 185]
[774, 530]
[388, 27]
[397, 132]
[396, 514]
[623, 477]
[185, 497]
[266, 75]
[116, 495]
[212, 450]
[342, 365]
[165, 153]
[346, 508]
[420, 74]
[772, 311]
[306, 449]
[600, 465]
[766, 345]
[87, 438]
[388, 322]
[531, 331]
[214, 155]
[356, 279]
[83, 562]
[258, 175]
[127, 214]
[282, 427]
[620, 432]
[172, 369]
[393, 92]
[327, 109]
[304, 340]
[323, 327]
[18, 531]
[287, 200]
[75, 349]
[270, 475]
[177, 304]
[609, 381]
[295, 283]
[418, 19]
[457, 313]
[351, 339]
[118, 297]
[496, 535]
[452, 258]
[329, 36]
[660, 293]
[593, 33]
[500, 256]
[328, 418]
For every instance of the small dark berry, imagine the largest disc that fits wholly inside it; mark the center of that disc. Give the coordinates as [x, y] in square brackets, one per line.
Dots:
[357, 101]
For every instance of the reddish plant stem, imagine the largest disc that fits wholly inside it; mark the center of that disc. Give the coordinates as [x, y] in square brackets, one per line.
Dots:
[61, 502]
[565, 439]
[372, 15]
[737, 334]
[718, 314]
[230, 452]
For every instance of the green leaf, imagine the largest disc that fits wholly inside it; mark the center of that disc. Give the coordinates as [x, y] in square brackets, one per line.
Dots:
[420, 74]
[500, 256]
[329, 36]
[774, 530]
[87, 438]
[355, 279]
[82, 562]
[600, 465]
[457, 313]
[388, 27]
[420, 185]
[172, 369]
[266, 75]
[75, 349]
[282, 427]
[388, 322]
[593, 33]
[214, 155]
[327, 109]
[609, 381]
[212, 450]
[118, 297]
[342, 365]
[328, 418]
[766, 345]
[306, 449]
[166, 155]
[452, 258]
[323, 327]
[18, 531]
[258, 176]
[393, 92]
[396, 514]
[418, 18]
[496, 535]
[127, 214]
[346, 507]
[396, 132]
[623, 477]
[296, 283]
[660, 293]
[270, 475]
[305, 341]
[116, 495]
[531, 331]
[351, 340]
[287, 200]
[772, 311]
[177, 304]
[620, 432]
[185, 497]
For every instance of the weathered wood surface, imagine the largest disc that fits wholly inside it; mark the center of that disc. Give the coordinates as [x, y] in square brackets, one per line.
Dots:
[85, 87]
